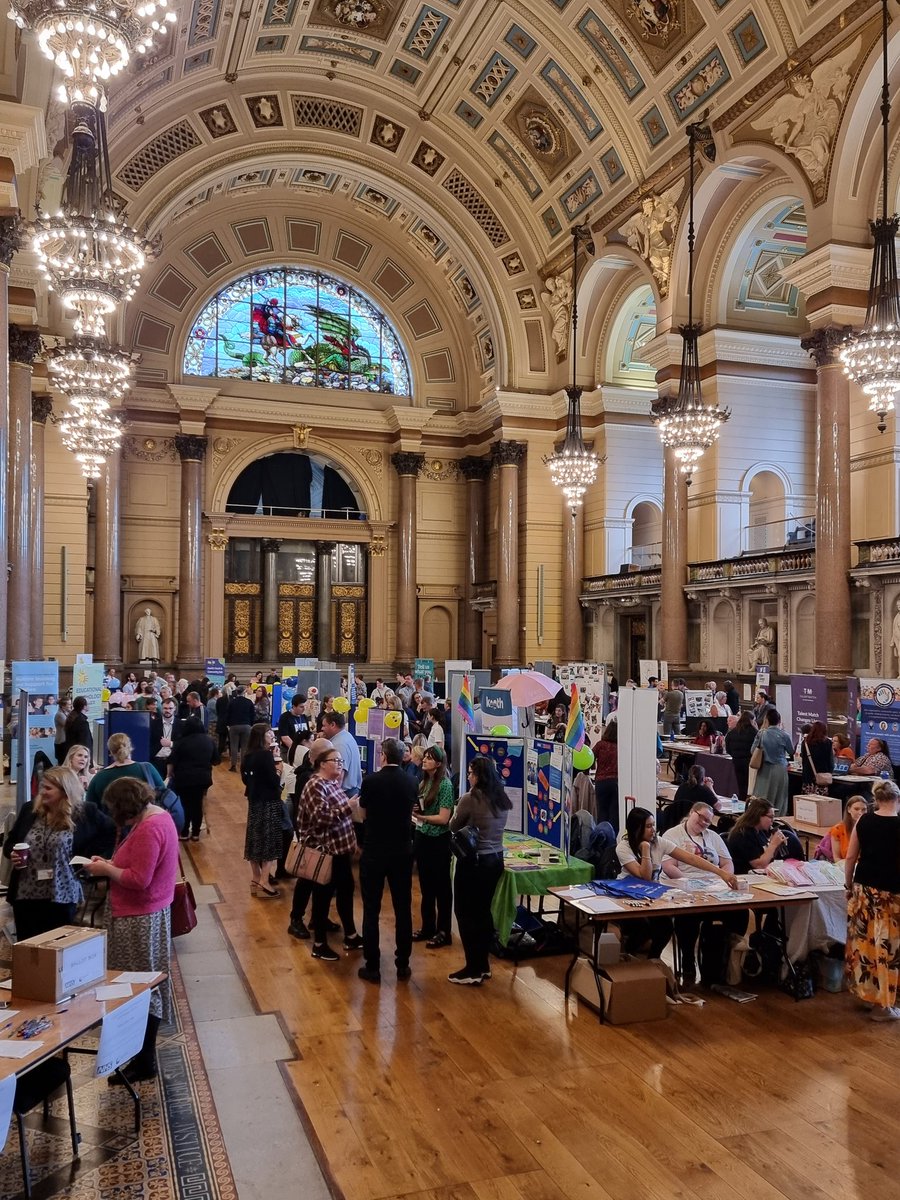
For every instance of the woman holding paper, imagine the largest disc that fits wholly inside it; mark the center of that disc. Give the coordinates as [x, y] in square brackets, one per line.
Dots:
[872, 874]
[44, 890]
[141, 873]
[777, 748]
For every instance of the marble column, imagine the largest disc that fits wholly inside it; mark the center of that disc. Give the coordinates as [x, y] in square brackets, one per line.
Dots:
[323, 599]
[673, 639]
[407, 467]
[475, 471]
[270, 548]
[41, 408]
[24, 345]
[833, 617]
[107, 644]
[508, 456]
[572, 574]
[191, 450]
[9, 244]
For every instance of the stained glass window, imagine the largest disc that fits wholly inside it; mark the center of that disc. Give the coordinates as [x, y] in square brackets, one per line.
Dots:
[287, 325]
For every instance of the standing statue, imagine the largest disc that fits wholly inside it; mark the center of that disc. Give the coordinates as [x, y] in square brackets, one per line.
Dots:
[651, 233]
[763, 648]
[895, 635]
[147, 633]
[558, 299]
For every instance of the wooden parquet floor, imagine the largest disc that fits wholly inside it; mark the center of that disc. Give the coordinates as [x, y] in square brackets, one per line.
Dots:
[435, 1092]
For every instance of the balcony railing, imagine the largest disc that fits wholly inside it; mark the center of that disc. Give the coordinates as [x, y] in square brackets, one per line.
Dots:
[627, 582]
[756, 566]
[877, 552]
[788, 534]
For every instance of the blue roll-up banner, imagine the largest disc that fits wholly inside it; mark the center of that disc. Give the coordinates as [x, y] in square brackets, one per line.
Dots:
[879, 701]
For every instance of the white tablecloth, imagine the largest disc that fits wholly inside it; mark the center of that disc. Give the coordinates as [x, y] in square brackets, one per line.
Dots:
[816, 926]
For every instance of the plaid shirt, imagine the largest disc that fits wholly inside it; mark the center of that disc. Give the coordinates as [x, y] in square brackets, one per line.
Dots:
[325, 818]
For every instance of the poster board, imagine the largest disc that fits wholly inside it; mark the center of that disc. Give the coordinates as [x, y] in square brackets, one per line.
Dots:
[637, 750]
[545, 793]
[34, 727]
[853, 713]
[214, 670]
[593, 694]
[136, 725]
[497, 709]
[648, 669]
[509, 759]
[879, 701]
[696, 703]
[458, 728]
[122, 1034]
[87, 681]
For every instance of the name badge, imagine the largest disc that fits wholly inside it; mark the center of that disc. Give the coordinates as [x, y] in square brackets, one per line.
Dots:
[44, 876]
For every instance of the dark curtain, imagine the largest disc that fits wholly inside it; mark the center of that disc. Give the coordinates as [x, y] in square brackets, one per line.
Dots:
[285, 484]
[336, 493]
[246, 489]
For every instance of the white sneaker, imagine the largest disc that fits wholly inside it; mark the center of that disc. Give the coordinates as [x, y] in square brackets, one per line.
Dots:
[886, 1014]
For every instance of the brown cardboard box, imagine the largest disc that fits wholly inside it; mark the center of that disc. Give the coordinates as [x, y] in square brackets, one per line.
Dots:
[52, 965]
[633, 991]
[817, 810]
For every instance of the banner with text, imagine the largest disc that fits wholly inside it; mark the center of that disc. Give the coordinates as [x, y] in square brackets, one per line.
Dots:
[809, 700]
[879, 702]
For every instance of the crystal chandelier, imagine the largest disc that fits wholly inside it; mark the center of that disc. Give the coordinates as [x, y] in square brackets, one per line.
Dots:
[687, 424]
[92, 433]
[573, 468]
[88, 252]
[871, 355]
[91, 42]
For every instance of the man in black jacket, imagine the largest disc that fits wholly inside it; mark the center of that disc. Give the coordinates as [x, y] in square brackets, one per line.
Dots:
[241, 716]
[291, 722]
[388, 798]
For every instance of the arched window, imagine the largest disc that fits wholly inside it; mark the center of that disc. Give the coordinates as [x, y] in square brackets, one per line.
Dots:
[288, 325]
[290, 484]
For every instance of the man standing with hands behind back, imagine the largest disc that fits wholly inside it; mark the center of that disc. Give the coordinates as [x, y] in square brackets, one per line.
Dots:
[387, 799]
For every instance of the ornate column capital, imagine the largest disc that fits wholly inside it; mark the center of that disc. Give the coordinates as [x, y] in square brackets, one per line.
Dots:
[271, 545]
[41, 409]
[190, 447]
[475, 468]
[217, 538]
[823, 344]
[509, 454]
[24, 345]
[406, 463]
[11, 238]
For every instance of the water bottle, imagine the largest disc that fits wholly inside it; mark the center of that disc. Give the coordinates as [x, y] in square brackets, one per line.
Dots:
[736, 806]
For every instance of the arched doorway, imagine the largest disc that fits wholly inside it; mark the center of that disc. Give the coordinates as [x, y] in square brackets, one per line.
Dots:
[766, 526]
[646, 535]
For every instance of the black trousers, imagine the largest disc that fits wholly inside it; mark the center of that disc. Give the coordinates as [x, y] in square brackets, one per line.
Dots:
[192, 802]
[687, 930]
[60, 749]
[433, 863]
[655, 930]
[40, 916]
[341, 887]
[374, 871]
[607, 793]
[473, 890]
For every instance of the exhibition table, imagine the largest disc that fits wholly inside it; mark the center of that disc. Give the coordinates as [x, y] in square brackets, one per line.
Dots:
[524, 875]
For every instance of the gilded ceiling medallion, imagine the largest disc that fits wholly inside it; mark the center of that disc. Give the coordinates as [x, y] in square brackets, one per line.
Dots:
[541, 133]
[662, 27]
[374, 18]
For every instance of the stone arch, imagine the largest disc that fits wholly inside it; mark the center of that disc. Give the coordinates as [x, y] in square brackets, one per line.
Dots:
[722, 635]
[764, 491]
[644, 513]
[371, 496]
[805, 635]
[627, 327]
[437, 632]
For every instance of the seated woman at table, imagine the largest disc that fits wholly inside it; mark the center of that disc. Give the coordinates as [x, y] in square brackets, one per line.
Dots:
[641, 853]
[875, 760]
[835, 845]
[705, 734]
[816, 758]
[43, 890]
[842, 747]
[703, 843]
[754, 842]
[695, 790]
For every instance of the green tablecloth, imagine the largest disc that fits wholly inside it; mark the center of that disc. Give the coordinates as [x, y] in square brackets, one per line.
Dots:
[533, 881]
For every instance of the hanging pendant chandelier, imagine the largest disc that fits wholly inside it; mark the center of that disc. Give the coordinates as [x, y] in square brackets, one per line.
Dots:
[87, 365]
[91, 42]
[92, 433]
[687, 424]
[871, 355]
[573, 468]
[88, 252]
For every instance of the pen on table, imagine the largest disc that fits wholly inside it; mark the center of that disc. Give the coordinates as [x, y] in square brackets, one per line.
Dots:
[8, 1025]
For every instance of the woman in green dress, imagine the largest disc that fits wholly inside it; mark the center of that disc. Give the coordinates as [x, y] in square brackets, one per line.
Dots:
[432, 848]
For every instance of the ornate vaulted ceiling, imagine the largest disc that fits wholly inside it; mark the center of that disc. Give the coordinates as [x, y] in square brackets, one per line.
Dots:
[459, 140]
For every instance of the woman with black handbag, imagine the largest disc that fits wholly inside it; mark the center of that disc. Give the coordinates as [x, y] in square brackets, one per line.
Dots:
[817, 760]
[485, 806]
[193, 757]
[262, 844]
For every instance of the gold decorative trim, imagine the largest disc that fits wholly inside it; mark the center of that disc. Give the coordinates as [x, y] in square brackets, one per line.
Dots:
[218, 539]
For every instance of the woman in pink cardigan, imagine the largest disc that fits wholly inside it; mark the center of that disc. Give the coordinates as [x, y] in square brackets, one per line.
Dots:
[142, 874]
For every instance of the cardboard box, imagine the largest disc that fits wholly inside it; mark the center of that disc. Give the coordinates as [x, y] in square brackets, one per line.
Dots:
[634, 991]
[817, 810]
[52, 965]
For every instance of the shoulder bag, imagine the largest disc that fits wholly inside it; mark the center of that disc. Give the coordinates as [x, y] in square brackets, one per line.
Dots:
[184, 906]
[165, 798]
[822, 778]
[464, 843]
[757, 758]
[305, 862]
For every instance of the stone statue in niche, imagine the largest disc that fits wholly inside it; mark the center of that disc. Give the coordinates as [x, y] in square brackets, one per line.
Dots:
[558, 299]
[895, 634]
[147, 633]
[763, 648]
[803, 122]
[651, 232]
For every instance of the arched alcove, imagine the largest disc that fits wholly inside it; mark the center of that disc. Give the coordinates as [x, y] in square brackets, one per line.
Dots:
[805, 640]
[646, 534]
[766, 513]
[437, 633]
[633, 326]
[293, 484]
[722, 640]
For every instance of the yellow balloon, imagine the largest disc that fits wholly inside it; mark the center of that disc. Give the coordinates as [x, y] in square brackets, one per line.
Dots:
[360, 716]
[341, 704]
[393, 720]
[365, 704]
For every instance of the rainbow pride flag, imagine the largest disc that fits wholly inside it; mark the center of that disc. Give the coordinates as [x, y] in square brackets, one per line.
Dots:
[464, 704]
[575, 725]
